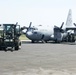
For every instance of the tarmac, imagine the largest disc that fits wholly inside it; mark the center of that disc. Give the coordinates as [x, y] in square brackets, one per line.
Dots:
[39, 59]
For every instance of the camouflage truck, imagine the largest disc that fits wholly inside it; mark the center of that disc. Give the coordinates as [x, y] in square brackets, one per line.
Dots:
[9, 37]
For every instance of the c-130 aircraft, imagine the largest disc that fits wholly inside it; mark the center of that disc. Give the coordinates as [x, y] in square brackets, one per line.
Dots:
[45, 34]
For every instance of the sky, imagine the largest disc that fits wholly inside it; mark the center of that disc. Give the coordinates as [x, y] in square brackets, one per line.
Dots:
[44, 12]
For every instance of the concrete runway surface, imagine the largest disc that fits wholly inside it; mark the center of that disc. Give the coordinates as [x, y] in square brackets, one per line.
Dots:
[39, 59]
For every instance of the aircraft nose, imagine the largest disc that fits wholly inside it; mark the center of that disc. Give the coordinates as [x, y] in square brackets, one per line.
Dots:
[29, 33]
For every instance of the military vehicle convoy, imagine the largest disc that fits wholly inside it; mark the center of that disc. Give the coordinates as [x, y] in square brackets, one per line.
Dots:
[9, 36]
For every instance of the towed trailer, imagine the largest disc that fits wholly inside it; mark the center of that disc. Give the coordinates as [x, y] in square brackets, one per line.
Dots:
[9, 37]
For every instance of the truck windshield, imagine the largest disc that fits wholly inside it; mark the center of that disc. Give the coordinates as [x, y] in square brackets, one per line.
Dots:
[8, 27]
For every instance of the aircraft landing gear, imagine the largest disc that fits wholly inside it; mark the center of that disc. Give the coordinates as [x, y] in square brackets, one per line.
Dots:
[33, 41]
[71, 38]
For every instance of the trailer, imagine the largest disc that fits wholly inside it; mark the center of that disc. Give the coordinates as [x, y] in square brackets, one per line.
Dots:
[9, 36]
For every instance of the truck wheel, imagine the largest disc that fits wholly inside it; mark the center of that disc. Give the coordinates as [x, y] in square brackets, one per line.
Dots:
[5, 49]
[17, 47]
[0, 48]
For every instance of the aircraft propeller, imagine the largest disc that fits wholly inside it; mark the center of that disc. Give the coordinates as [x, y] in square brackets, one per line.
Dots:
[28, 28]
[60, 28]
[74, 24]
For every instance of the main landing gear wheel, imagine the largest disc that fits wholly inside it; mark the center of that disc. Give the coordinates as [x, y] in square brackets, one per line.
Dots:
[33, 41]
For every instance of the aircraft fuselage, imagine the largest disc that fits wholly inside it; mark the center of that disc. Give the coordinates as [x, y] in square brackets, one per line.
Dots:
[39, 35]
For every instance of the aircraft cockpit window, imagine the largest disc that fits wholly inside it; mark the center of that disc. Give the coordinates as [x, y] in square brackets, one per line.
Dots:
[35, 32]
[35, 28]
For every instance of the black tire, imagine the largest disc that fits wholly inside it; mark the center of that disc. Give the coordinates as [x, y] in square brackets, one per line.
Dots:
[33, 41]
[0, 48]
[11, 50]
[45, 41]
[5, 49]
[17, 48]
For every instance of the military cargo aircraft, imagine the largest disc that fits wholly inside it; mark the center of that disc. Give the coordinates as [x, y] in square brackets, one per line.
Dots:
[44, 34]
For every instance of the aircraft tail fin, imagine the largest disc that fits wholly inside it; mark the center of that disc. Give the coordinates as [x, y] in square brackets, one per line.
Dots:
[69, 19]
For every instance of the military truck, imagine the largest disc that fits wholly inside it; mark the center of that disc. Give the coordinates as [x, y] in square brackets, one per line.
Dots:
[9, 36]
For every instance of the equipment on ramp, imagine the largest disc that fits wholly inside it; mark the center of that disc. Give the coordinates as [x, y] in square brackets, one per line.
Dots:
[9, 36]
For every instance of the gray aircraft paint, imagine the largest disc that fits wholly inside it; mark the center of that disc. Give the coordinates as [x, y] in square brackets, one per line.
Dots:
[40, 32]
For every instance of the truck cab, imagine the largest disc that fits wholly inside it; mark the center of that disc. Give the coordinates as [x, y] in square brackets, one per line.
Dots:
[9, 36]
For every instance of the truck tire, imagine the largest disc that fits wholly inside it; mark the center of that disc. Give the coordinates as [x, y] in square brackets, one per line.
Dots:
[17, 47]
[5, 49]
[0, 48]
